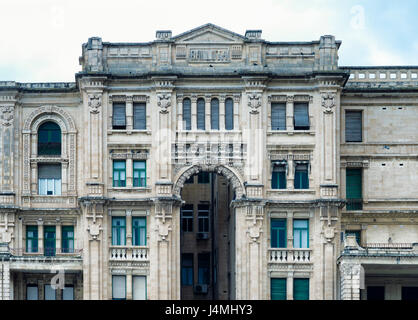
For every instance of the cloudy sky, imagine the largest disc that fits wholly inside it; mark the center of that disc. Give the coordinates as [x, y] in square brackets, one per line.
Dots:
[41, 39]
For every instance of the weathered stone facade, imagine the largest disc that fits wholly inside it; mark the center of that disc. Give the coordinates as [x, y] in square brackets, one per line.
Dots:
[251, 75]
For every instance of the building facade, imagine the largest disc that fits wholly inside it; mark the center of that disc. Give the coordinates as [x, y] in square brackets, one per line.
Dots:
[211, 165]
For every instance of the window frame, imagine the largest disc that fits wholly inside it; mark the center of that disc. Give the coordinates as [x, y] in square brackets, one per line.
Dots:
[298, 127]
[300, 229]
[69, 248]
[139, 171]
[299, 174]
[346, 125]
[143, 125]
[32, 238]
[42, 146]
[278, 230]
[137, 231]
[201, 114]
[119, 171]
[48, 250]
[119, 237]
[299, 280]
[187, 122]
[186, 269]
[118, 105]
[214, 114]
[202, 266]
[203, 220]
[285, 287]
[279, 176]
[113, 284]
[188, 219]
[46, 183]
[229, 114]
[278, 107]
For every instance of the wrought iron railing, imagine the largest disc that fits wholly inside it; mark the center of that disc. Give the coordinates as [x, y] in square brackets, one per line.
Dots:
[48, 252]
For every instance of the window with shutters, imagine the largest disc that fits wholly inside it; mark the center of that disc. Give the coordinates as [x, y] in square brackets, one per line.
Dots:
[300, 233]
[353, 126]
[278, 233]
[32, 292]
[67, 234]
[139, 231]
[49, 139]
[140, 116]
[31, 239]
[139, 286]
[354, 189]
[187, 269]
[119, 116]
[278, 116]
[118, 287]
[187, 218]
[278, 177]
[201, 114]
[214, 114]
[139, 173]
[49, 240]
[119, 173]
[301, 176]
[300, 289]
[49, 179]
[118, 231]
[278, 288]
[301, 116]
[229, 114]
[187, 114]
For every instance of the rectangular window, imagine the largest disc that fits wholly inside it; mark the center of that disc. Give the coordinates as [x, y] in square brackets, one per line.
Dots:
[278, 288]
[187, 114]
[140, 116]
[140, 173]
[203, 177]
[203, 263]
[118, 287]
[119, 116]
[139, 231]
[300, 234]
[300, 289]
[301, 116]
[301, 176]
[354, 189]
[67, 239]
[187, 269]
[200, 114]
[278, 178]
[278, 116]
[49, 179]
[68, 292]
[49, 240]
[31, 239]
[187, 218]
[278, 233]
[203, 217]
[118, 231]
[353, 126]
[50, 293]
[139, 290]
[119, 173]
[32, 292]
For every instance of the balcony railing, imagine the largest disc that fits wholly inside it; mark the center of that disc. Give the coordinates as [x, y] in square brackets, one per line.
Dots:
[117, 253]
[283, 255]
[354, 204]
[47, 252]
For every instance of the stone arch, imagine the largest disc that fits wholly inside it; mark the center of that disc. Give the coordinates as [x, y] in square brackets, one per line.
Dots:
[46, 113]
[229, 173]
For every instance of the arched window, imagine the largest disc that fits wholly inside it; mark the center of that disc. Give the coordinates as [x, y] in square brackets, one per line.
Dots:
[214, 114]
[229, 114]
[187, 114]
[49, 139]
[201, 114]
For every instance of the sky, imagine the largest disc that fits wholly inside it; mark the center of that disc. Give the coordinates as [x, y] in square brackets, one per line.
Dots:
[41, 39]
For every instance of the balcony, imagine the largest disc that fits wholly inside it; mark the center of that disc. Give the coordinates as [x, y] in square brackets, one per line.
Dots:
[47, 252]
[120, 253]
[354, 204]
[284, 255]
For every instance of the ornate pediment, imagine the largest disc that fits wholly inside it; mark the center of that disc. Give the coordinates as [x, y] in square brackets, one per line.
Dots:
[209, 33]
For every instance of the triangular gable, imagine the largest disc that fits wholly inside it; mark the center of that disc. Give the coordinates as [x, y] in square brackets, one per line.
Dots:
[209, 33]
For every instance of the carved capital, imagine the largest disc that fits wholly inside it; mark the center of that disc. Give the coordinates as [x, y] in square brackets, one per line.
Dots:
[254, 102]
[164, 102]
[328, 102]
[95, 102]
[6, 115]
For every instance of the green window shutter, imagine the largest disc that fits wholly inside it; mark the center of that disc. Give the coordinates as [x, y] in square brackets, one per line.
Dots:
[278, 233]
[301, 176]
[67, 239]
[278, 178]
[278, 289]
[214, 114]
[31, 238]
[278, 116]
[49, 240]
[140, 116]
[229, 114]
[300, 289]
[187, 114]
[354, 184]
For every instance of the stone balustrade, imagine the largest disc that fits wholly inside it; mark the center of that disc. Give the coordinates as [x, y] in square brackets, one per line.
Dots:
[121, 253]
[284, 255]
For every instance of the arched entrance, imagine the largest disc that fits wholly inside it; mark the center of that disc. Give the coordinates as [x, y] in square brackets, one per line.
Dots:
[207, 230]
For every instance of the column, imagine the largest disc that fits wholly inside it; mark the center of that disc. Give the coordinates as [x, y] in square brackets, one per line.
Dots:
[129, 171]
[222, 113]
[58, 237]
[129, 114]
[289, 286]
[41, 237]
[194, 112]
[128, 228]
[129, 285]
[180, 112]
[350, 281]
[289, 113]
[64, 180]
[207, 112]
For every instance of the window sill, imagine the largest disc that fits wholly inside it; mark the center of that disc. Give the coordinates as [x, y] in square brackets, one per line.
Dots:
[290, 191]
[209, 131]
[130, 189]
[290, 132]
[125, 131]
